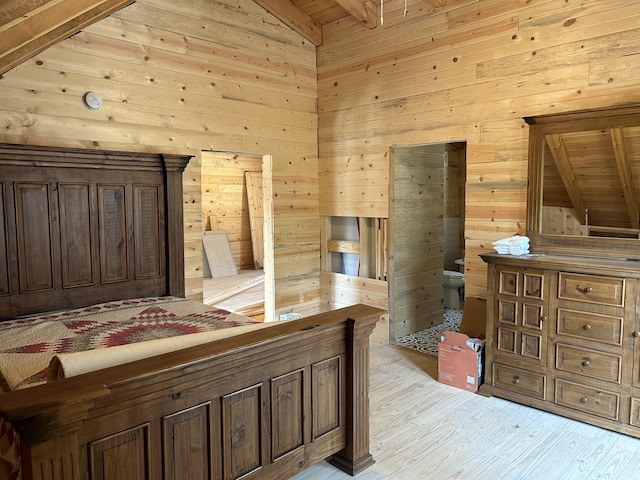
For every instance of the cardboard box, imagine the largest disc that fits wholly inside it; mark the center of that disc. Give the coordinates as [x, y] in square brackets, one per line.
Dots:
[460, 361]
[474, 317]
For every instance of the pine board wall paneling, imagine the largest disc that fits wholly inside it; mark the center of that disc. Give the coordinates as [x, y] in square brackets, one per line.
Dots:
[469, 72]
[183, 76]
[340, 290]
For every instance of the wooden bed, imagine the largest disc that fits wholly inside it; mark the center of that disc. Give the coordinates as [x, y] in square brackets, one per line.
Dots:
[81, 227]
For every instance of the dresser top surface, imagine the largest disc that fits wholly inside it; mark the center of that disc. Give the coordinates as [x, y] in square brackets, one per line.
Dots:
[571, 263]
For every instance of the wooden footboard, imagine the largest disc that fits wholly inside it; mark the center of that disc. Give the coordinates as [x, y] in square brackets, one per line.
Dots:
[260, 405]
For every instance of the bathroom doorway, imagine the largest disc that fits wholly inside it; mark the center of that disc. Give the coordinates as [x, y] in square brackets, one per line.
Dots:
[426, 222]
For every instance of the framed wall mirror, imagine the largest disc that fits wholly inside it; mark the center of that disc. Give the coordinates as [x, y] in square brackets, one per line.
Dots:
[584, 183]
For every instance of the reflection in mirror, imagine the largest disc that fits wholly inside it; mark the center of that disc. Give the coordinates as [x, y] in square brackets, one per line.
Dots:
[584, 182]
[591, 183]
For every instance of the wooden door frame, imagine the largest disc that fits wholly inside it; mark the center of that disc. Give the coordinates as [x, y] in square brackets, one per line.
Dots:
[391, 225]
[268, 229]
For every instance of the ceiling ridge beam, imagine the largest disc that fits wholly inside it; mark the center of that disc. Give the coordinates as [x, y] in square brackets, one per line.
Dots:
[364, 10]
[295, 18]
[53, 21]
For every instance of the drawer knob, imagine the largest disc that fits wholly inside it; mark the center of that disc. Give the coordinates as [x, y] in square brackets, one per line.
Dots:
[584, 400]
[586, 363]
[636, 334]
[516, 379]
[586, 327]
[584, 290]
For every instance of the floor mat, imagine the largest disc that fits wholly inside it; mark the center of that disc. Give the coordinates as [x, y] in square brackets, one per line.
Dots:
[426, 341]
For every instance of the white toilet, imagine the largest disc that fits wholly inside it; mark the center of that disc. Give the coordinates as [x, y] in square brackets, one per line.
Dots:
[460, 263]
[452, 281]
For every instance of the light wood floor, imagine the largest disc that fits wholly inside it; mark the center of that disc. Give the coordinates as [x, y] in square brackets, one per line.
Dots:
[235, 292]
[424, 430]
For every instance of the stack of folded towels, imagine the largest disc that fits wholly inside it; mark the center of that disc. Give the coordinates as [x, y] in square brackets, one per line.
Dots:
[515, 245]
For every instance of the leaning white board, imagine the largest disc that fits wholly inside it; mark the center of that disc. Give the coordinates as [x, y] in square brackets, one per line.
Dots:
[218, 253]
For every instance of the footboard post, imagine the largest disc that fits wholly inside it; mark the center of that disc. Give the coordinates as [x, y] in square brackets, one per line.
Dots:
[356, 456]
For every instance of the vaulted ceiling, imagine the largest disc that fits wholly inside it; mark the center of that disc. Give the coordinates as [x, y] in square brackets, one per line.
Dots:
[308, 16]
[28, 27]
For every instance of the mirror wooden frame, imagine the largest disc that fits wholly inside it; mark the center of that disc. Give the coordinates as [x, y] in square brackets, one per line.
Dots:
[539, 127]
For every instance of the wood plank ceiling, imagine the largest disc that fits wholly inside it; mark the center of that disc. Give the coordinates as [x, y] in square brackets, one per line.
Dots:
[27, 27]
[308, 16]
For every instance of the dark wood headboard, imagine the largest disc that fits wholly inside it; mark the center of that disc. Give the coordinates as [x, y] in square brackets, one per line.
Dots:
[79, 227]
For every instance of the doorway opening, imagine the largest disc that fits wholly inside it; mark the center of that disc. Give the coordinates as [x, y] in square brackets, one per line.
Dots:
[236, 209]
[426, 221]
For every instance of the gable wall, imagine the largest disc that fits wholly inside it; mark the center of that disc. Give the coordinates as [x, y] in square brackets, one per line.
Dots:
[184, 76]
[466, 72]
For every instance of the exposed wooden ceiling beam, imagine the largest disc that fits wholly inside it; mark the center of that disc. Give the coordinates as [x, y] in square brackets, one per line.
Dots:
[561, 159]
[365, 11]
[626, 179]
[28, 27]
[295, 18]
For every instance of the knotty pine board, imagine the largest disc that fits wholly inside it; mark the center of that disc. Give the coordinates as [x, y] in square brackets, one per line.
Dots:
[464, 72]
[181, 77]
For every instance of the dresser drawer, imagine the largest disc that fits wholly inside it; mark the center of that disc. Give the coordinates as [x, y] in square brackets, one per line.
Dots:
[519, 381]
[584, 361]
[591, 288]
[590, 326]
[587, 399]
[634, 418]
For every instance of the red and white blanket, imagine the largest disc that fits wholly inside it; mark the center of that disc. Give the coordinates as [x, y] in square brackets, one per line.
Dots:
[27, 345]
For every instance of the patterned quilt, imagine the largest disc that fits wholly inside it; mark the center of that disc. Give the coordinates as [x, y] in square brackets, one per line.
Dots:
[28, 344]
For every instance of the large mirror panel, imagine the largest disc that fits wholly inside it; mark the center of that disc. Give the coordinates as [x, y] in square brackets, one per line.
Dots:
[584, 182]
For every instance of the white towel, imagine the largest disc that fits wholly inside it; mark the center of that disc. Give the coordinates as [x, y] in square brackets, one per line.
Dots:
[515, 245]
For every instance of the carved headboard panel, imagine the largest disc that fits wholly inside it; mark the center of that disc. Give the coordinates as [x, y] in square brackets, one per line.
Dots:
[79, 227]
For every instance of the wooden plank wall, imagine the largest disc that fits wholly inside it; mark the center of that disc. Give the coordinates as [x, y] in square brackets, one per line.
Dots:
[183, 76]
[468, 71]
[224, 200]
[416, 239]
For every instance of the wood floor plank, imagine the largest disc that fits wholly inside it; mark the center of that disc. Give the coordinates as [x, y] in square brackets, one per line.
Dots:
[618, 464]
[424, 430]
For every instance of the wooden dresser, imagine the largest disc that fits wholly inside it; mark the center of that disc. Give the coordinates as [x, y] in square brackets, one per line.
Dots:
[562, 336]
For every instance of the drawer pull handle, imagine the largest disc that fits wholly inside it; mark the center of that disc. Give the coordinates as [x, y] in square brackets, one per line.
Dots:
[584, 290]
[584, 400]
[516, 379]
[586, 363]
[586, 327]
